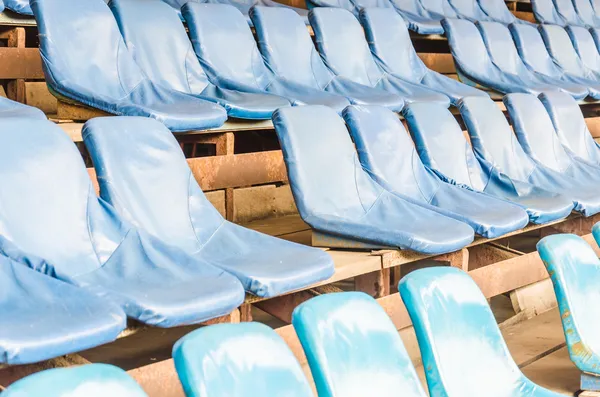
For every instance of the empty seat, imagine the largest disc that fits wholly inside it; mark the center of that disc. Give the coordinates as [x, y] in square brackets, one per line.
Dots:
[353, 348]
[346, 52]
[584, 45]
[238, 360]
[585, 11]
[457, 332]
[571, 127]
[85, 59]
[390, 43]
[417, 17]
[388, 155]
[53, 221]
[545, 12]
[563, 53]
[473, 61]
[443, 148]
[230, 57]
[469, 9]
[335, 195]
[43, 318]
[535, 55]
[9, 108]
[504, 55]
[160, 45]
[574, 269]
[19, 6]
[539, 140]
[154, 187]
[354, 6]
[83, 381]
[439, 7]
[290, 53]
[497, 11]
[495, 144]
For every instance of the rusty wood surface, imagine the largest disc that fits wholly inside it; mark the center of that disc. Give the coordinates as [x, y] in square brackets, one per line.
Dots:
[441, 63]
[20, 63]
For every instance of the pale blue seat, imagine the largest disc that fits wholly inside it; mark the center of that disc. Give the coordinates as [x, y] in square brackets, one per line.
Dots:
[499, 12]
[535, 55]
[556, 12]
[18, 6]
[417, 17]
[495, 145]
[238, 360]
[84, 381]
[334, 195]
[154, 188]
[353, 348]
[587, 14]
[574, 269]
[289, 52]
[535, 132]
[160, 45]
[342, 44]
[388, 155]
[443, 148]
[571, 127]
[457, 332]
[393, 49]
[584, 45]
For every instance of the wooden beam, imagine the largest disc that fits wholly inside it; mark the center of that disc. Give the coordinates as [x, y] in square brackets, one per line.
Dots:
[441, 63]
[20, 63]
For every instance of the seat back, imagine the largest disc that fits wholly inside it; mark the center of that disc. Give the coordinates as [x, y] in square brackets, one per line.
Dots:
[457, 332]
[583, 42]
[501, 48]
[545, 12]
[561, 49]
[152, 186]
[82, 49]
[387, 153]
[225, 45]
[532, 50]
[326, 178]
[442, 145]
[492, 138]
[390, 41]
[596, 36]
[159, 43]
[575, 271]
[570, 125]
[567, 11]
[46, 213]
[20, 6]
[353, 348]
[469, 9]
[586, 13]
[345, 4]
[535, 131]
[86, 380]
[341, 41]
[439, 7]
[497, 11]
[288, 48]
[242, 360]
[467, 47]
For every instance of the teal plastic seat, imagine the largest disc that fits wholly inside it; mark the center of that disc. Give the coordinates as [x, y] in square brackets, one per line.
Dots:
[85, 381]
[353, 348]
[463, 352]
[574, 269]
[238, 360]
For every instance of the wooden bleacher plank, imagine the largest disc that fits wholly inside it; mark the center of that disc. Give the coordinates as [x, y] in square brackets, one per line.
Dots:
[556, 372]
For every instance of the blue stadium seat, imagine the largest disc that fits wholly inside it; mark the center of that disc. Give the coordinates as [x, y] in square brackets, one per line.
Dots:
[388, 155]
[243, 5]
[571, 127]
[469, 9]
[495, 145]
[584, 45]
[390, 43]
[154, 188]
[556, 12]
[54, 222]
[336, 196]
[241, 360]
[290, 53]
[85, 59]
[19, 6]
[9, 108]
[354, 6]
[504, 54]
[417, 17]
[587, 14]
[473, 61]
[563, 53]
[457, 331]
[535, 55]
[439, 7]
[84, 381]
[497, 11]
[539, 140]
[43, 318]
[159, 43]
[443, 148]
[230, 57]
[574, 269]
[341, 42]
[353, 348]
